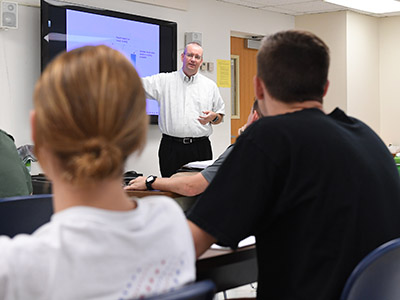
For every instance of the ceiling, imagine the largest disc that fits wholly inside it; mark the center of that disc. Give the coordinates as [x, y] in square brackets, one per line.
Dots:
[293, 7]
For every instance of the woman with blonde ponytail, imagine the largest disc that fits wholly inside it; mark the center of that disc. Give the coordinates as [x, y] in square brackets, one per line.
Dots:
[89, 116]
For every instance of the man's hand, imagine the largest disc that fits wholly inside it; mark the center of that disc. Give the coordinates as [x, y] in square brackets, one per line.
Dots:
[208, 117]
[137, 184]
[242, 129]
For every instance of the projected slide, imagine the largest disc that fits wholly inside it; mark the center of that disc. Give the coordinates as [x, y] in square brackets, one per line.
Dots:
[138, 41]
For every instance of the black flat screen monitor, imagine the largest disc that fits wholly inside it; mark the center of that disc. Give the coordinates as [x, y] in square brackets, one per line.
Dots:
[150, 44]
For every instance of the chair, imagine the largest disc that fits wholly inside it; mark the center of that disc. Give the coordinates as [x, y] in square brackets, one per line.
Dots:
[377, 276]
[201, 290]
[41, 185]
[24, 214]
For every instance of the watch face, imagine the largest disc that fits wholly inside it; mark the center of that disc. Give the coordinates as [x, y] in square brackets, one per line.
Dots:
[150, 179]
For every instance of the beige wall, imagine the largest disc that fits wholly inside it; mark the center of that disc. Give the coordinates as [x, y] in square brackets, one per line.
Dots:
[353, 40]
[389, 29]
[331, 28]
[363, 69]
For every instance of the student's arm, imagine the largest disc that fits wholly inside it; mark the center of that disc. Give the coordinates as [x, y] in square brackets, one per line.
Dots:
[184, 185]
[187, 185]
[202, 240]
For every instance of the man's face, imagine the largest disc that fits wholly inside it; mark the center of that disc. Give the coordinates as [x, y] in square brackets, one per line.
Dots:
[192, 59]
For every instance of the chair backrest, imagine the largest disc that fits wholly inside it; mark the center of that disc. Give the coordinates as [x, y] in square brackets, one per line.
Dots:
[24, 214]
[201, 290]
[377, 276]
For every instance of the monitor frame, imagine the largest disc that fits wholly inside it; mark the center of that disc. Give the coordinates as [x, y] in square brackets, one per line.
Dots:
[51, 48]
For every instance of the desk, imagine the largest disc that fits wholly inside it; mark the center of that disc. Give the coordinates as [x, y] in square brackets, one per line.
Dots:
[227, 268]
[140, 194]
[184, 202]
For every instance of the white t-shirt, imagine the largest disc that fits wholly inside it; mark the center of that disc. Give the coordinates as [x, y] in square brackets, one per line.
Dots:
[182, 100]
[89, 253]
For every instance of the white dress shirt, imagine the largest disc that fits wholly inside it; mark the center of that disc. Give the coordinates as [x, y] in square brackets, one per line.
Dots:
[182, 100]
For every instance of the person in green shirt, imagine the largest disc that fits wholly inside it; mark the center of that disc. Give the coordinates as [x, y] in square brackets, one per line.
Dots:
[15, 179]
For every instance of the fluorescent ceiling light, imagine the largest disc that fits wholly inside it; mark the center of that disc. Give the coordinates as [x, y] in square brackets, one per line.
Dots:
[371, 6]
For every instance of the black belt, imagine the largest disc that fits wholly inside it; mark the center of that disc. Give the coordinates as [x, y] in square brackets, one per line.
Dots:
[185, 140]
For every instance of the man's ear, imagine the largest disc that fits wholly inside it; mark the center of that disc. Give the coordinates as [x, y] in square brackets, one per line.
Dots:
[258, 88]
[326, 88]
[182, 55]
[32, 117]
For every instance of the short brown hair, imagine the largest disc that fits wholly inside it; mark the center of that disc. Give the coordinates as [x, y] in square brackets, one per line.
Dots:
[90, 113]
[294, 66]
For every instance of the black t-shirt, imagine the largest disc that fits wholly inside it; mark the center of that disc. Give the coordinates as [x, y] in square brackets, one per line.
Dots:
[318, 191]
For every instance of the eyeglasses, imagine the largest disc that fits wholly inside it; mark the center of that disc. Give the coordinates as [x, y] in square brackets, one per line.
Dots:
[195, 56]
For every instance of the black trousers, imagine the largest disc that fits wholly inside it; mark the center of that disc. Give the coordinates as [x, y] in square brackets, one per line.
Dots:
[175, 152]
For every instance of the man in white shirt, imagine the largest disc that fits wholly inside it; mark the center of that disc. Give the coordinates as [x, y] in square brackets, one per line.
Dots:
[190, 104]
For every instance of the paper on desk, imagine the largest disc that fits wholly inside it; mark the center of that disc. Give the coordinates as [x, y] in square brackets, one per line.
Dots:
[251, 240]
[199, 164]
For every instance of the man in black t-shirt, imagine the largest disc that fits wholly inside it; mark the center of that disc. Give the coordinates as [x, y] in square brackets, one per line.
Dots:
[319, 191]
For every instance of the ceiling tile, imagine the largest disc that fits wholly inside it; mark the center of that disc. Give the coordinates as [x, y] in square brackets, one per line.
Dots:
[279, 10]
[295, 7]
[311, 7]
[244, 3]
[277, 2]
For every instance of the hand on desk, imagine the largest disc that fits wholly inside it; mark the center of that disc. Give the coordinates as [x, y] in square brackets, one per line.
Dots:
[137, 184]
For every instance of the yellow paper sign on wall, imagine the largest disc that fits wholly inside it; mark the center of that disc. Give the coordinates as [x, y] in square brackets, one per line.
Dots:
[224, 73]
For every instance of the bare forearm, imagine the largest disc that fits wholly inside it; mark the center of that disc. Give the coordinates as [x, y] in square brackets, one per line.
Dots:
[183, 185]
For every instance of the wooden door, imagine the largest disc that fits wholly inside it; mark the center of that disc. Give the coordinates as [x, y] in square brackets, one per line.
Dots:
[247, 71]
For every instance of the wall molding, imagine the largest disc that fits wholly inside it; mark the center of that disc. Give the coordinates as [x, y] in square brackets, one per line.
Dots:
[175, 4]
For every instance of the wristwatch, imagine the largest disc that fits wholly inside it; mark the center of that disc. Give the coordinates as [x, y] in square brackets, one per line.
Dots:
[149, 181]
[215, 119]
